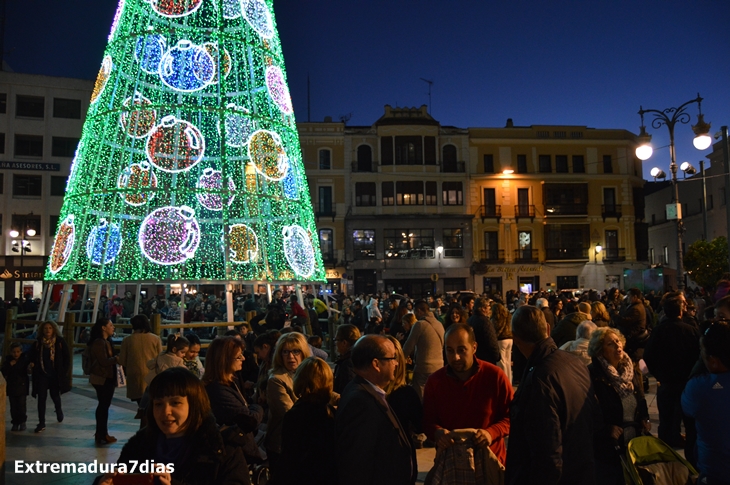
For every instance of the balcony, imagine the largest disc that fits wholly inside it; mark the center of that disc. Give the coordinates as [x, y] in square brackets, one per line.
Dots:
[612, 210]
[566, 210]
[490, 211]
[614, 255]
[364, 166]
[420, 253]
[329, 259]
[491, 256]
[522, 211]
[453, 167]
[526, 256]
[558, 254]
[325, 212]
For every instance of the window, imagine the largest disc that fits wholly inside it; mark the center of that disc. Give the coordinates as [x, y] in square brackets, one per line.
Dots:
[53, 224]
[546, 163]
[579, 164]
[388, 193]
[561, 163]
[409, 193]
[490, 201]
[326, 244]
[364, 158]
[609, 199]
[491, 242]
[488, 163]
[429, 146]
[2, 142]
[453, 243]
[665, 256]
[24, 222]
[386, 150]
[325, 200]
[431, 193]
[67, 108]
[452, 193]
[27, 185]
[29, 106]
[363, 242]
[408, 150]
[607, 164]
[567, 241]
[710, 202]
[2, 183]
[28, 146]
[365, 194]
[3, 103]
[325, 159]
[565, 199]
[63, 147]
[521, 163]
[58, 186]
[651, 256]
[409, 243]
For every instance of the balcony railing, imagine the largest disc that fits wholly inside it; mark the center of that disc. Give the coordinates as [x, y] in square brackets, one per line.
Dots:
[614, 254]
[611, 210]
[490, 211]
[524, 211]
[525, 255]
[566, 210]
[329, 259]
[453, 167]
[566, 253]
[371, 166]
[491, 256]
[326, 212]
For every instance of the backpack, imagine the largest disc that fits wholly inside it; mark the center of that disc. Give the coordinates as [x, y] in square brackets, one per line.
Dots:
[86, 361]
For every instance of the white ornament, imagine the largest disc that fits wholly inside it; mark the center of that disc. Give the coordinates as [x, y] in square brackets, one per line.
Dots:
[298, 250]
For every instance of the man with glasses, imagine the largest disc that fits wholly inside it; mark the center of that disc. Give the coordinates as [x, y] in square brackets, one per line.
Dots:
[372, 446]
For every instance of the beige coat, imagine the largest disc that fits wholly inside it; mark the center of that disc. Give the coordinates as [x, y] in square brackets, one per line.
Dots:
[137, 349]
[280, 398]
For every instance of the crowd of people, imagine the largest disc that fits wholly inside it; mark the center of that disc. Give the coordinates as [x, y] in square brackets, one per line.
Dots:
[562, 375]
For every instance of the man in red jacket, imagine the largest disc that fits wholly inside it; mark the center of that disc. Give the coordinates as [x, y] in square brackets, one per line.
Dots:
[467, 393]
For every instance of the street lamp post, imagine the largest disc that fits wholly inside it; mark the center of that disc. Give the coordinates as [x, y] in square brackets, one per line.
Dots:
[669, 117]
[22, 246]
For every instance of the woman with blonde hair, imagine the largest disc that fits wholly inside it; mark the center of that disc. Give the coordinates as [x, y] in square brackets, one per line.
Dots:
[290, 351]
[308, 429]
[404, 401]
[599, 314]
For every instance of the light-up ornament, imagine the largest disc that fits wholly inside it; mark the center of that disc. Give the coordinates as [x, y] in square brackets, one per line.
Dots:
[175, 145]
[267, 155]
[187, 67]
[258, 15]
[138, 176]
[169, 235]
[97, 241]
[278, 90]
[148, 51]
[115, 22]
[140, 118]
[238, 126]
[213, 180]
[291, 191]
[63, 244]
[243, 244]
[175, 8]
[298, 250]
[231, 9]
[223, 57]
[102, 78]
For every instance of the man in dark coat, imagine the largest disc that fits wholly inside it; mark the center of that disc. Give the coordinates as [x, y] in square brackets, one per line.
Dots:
[632, 324]
[670, 354]
[486, 335]
[554, 412]
[564, 331]
[372, 446]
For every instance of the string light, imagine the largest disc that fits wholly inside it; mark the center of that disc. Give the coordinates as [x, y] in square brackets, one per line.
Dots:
[189, 154]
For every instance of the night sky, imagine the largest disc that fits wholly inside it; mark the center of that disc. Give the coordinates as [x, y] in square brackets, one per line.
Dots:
[583, 62]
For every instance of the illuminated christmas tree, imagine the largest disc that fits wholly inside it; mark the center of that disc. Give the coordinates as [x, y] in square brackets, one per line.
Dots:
[189, 167]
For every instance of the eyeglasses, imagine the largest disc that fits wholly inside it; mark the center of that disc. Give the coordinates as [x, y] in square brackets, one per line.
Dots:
[295, 352]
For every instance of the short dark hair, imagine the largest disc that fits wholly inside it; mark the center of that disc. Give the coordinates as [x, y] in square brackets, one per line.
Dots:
[528, 324]
[349, 333]
[140, 322]
[366, 349]
[466, 299]
[179, 381]
[269, 338]
[422, 306]
[716, 342]
[192, 338]
[636, 292]
[463, 327]
[673, 307]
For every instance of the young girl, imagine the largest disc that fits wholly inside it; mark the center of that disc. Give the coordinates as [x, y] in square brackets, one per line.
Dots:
[15, 370]
[177, 347]
[191, 359]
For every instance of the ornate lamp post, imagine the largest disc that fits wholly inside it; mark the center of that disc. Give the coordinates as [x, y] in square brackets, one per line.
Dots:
[670, 117]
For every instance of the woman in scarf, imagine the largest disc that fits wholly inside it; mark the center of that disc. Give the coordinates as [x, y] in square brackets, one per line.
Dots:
[620, 394]
[51, 359]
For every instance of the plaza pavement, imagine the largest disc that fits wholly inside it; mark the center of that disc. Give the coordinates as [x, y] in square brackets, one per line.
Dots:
[73, 440]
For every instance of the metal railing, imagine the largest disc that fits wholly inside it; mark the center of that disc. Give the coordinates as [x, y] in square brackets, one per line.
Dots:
[566, 253]
[566, 210]
[524, 211]
[491, 256]
[614, 254]
[453, 167]
[364, 167]
[490, 211]
[611, 210]
[526, 256]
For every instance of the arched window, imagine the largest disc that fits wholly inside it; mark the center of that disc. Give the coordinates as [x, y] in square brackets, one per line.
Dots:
[364, 158]
[448, 158]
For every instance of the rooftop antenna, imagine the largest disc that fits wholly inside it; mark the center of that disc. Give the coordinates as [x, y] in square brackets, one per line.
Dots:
[430, 83]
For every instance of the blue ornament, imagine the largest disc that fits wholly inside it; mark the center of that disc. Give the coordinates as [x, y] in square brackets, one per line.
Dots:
[187, 67]
[149, 51]
[98, 238]
[291, 190]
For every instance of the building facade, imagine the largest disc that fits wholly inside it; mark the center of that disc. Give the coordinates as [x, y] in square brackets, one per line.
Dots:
[40, 125]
